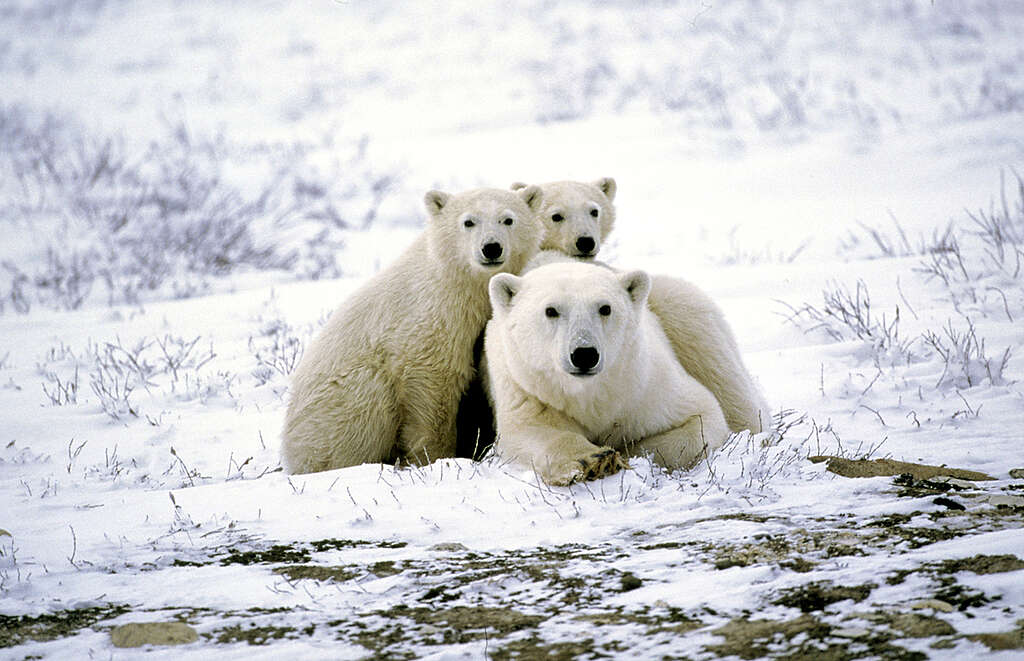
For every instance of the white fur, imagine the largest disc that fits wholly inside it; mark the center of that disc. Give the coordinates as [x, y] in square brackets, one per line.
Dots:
[700, 337]
[574, 210]
[383, 379]
[638, 400]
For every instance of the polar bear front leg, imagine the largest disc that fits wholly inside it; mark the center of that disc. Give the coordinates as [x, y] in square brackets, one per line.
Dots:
[684, 446]
[559, 456]
[428, 425]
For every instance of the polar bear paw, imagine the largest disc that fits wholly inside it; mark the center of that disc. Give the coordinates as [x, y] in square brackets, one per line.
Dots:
[597, 465]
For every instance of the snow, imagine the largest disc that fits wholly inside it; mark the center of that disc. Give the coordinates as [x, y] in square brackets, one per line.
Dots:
[265, 159]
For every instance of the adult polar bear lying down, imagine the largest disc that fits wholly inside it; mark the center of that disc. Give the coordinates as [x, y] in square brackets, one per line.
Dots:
[579, 370]
[578, 217]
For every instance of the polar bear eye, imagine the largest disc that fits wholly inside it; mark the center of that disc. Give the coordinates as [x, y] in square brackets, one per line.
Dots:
[605, 310]
[551, 312]
[508, 221]
[594, 212]
[468, 222]
[557, 217]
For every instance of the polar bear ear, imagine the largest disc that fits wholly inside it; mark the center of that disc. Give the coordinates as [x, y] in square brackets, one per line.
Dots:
[607, 186]
[517, 185]
[532, 195]
[502, 288]
[435, 201]
[637, 284]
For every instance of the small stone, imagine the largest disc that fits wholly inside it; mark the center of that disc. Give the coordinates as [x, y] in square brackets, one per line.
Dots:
[630, 582]
[137, 634]
[449, 547]
[1017, 473]
[934, 604]
[850, 632]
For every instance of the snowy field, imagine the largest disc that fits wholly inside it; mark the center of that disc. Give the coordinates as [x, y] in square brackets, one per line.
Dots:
[188, 189]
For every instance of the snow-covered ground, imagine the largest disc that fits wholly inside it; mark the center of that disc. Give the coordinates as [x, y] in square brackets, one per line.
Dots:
[187, 190]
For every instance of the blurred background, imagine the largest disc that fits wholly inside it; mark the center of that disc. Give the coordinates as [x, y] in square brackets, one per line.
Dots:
[152, 149]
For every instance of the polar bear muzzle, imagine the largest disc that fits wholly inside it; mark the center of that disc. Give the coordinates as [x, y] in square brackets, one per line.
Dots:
[491, 254]
[585, 361]
[585, 245]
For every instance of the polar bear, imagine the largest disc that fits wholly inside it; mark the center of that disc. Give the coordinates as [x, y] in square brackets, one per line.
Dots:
[700, 337]
[577, 216]
[705, 346]
[383, 379]
[581, 375]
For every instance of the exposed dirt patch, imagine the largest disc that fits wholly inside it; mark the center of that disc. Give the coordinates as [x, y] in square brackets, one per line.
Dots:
[799, 565]
[322, 545]
[911, 625]
[381, 631]
[945, 586]
[668, 619]
[276, 553]
[886, 467]
[292, 553]
[536, 649]
[914, 488]
[894, 527]
[960, 596]
[805, 638]
[318, 573]
[818, 595]
[255, 635]
[788, 549]
[15, 630]
[1008, 640]
[982, 564]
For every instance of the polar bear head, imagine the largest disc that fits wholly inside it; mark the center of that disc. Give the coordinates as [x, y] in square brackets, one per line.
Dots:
[484, 231]
[577, 216]
[568, 323]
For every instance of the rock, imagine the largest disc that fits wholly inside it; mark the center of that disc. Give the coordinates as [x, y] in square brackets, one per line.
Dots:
[949, 503]
[954, 482]
[449, 547]
[920, 626]
[137, 634]
[1002, 500]
[888, 467]
[630, 582]
[1017, 473]
[933, 604]
[1010, 640]
[850, 632]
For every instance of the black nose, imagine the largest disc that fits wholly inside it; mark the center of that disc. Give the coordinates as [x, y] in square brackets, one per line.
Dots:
[491, 250]
[584, 358]
[585, 244]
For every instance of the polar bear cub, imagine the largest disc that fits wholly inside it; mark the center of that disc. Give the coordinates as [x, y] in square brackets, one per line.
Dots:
[580, 374]
[576, 215]
[383, 379]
